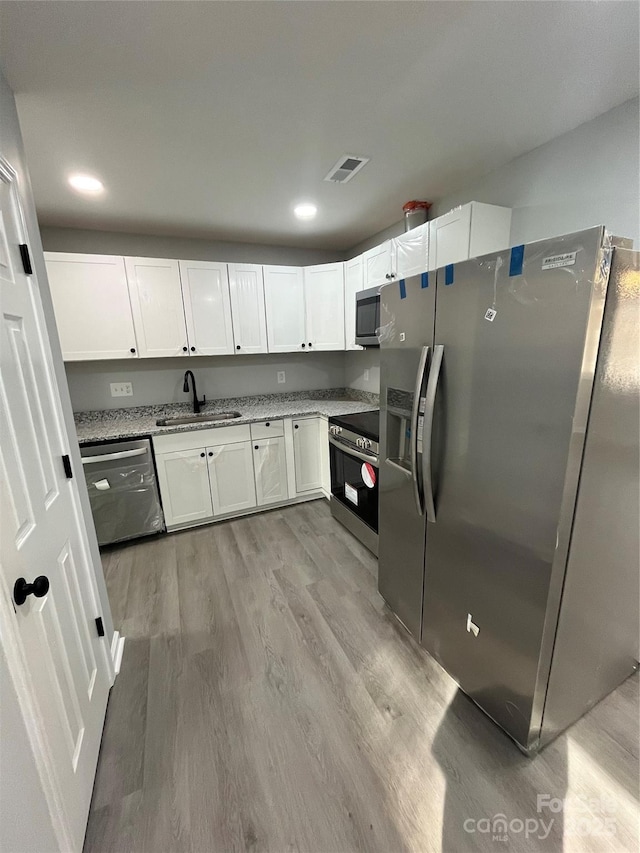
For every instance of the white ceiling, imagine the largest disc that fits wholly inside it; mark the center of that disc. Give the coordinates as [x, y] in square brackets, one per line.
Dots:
[210, 119]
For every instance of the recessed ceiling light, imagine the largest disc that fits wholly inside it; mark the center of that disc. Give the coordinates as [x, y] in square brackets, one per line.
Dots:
[86, 184]
[306, 210]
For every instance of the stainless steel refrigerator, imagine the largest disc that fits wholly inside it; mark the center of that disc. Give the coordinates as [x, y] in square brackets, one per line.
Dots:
[509, 474]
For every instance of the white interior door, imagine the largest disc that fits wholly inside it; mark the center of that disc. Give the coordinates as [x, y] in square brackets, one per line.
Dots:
[284, 306]
[324, 301]
[247, 308]
[50, 638]
[91, 301]
[156, 301]
[207, 307]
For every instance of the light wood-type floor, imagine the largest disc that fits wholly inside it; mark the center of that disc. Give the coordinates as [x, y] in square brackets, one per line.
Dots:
[269, 701]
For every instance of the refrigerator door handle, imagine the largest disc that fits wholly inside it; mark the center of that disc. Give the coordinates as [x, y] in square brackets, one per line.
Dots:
[427, 432]
[415, 414]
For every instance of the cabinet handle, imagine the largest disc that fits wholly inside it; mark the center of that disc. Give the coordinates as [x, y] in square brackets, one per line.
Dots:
[133, 349]
[238, 346]
[210, 453]
[202, 455]
[256, 447]
[193, 349]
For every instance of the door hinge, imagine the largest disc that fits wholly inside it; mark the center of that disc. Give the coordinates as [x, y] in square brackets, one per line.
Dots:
[66, 463]
[26, 259]
[100, 626]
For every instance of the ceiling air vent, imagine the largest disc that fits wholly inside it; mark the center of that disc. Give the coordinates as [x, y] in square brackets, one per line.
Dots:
[346, 168]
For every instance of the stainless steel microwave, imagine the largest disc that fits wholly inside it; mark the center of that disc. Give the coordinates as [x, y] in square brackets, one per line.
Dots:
[368, 317]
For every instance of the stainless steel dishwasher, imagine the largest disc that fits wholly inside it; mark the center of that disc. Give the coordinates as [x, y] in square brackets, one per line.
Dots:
[123, 491]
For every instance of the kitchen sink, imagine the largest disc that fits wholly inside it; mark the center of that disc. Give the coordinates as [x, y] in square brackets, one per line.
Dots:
[209, 417]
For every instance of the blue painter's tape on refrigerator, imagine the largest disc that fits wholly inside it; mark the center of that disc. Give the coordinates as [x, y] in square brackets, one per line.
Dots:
[517, 260]
[403, 289]
[448, 274]
[424, 279]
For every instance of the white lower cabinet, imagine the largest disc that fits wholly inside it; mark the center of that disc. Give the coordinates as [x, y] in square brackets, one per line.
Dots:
[233, 487]
[184, 486]
[232, 470]
[270, 466]
[306, 454]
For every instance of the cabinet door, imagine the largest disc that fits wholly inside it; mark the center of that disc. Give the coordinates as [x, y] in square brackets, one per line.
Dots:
[377, 265]
[233, 485]
[449, 240]
[353, 283]
[184, 486]
[247, 308]
[410, 252]
[284, 306]
[324, 303]
[306, 454]
[207, 307]
[92, 307]
[270, 465]
[158, 313]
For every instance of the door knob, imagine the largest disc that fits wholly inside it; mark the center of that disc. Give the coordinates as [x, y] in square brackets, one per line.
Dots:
[22, 589]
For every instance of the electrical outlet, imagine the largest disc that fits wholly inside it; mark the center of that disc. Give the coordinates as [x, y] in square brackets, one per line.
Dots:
[121, 389]
[281, 377]
[366, 376]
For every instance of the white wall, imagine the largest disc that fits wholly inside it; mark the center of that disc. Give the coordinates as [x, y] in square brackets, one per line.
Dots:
[356, 363]
[588, 176]
[188, 249]
[161, 380]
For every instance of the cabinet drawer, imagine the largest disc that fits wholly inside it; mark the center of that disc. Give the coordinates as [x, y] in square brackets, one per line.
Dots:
[201, 438]
[267, 429]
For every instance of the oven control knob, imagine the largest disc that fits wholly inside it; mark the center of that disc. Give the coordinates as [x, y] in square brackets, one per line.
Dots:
[335, 430]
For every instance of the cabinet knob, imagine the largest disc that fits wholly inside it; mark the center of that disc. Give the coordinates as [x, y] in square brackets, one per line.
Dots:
[184, 349]
[133, 349]
[310, 344]
[295, 426]
[237, 346]
[303, 346]
[202, 455]
[210, 453]
[256, 447]
[268, 423]
[193, 349]
[388, 275]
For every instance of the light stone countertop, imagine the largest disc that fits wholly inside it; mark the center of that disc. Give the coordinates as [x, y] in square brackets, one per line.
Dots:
[133, 422]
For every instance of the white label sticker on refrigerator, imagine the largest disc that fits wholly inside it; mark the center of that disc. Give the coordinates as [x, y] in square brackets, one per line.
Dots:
[420, 429]
[423, 405]
[490, 314]
[351, 494]
[567, 259]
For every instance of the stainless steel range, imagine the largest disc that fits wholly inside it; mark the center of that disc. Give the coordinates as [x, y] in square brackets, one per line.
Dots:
[353, 450]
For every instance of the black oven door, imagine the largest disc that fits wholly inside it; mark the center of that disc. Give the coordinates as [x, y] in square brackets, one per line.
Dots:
[354, 481]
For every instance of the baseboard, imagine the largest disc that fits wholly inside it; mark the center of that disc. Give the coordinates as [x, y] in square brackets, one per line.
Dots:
[117, 649]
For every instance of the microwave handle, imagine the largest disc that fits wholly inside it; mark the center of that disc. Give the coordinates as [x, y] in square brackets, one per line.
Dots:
[415, 414]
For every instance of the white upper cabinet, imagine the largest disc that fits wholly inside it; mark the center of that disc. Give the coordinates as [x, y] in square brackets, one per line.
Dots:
[377, 265]
[247, 308]
[467, 232]
[207, 307]
[156, 301]
[409, 252]
[324, 306]
[353, 283]
[92, 307]
[284, 306]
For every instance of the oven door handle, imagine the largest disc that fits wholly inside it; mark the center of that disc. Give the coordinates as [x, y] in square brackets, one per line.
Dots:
[351, 451]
